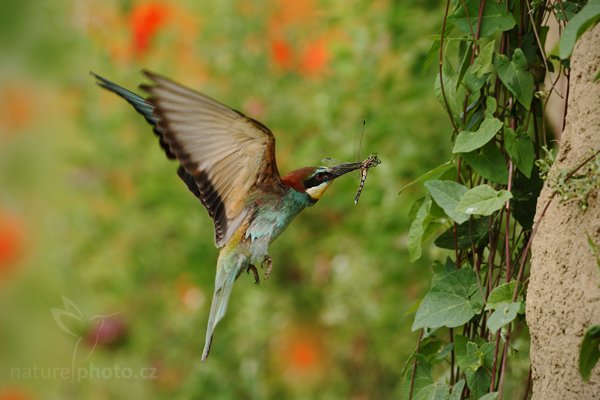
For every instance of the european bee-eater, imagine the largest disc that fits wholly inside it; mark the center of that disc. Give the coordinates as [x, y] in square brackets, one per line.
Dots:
[227, 160]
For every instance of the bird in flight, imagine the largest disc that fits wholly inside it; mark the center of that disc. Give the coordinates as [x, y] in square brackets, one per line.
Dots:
[227, 160]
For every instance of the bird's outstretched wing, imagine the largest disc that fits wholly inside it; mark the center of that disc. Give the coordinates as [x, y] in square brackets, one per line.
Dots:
[225, 156]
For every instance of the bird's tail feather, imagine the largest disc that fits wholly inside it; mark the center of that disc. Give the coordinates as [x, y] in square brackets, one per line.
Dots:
[137, 101]
[229, 268]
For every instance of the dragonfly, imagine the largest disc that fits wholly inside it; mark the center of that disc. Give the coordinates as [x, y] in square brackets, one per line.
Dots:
[365, 165]
[370, 162]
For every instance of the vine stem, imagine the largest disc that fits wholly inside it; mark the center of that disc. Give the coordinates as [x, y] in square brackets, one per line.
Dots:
[441, 63]
[507, 234]
[415, 363]
[503, 366]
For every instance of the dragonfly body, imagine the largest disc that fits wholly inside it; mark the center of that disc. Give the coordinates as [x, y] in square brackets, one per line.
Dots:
[370, 162]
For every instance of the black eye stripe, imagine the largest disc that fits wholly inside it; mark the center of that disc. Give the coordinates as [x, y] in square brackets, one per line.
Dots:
[317, 179]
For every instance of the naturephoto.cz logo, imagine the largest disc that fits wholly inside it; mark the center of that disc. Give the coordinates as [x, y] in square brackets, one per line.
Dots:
[106, 329]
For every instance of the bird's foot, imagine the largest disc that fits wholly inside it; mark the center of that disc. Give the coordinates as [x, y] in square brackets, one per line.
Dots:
[269, 268]
[252, 268]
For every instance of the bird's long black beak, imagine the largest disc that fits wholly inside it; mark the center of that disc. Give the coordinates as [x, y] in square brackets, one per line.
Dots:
[343, 169]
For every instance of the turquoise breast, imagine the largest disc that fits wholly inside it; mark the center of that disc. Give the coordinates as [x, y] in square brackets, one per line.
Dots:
[272, 217]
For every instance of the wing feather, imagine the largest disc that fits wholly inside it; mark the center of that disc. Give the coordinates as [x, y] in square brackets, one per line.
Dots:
[229, 155]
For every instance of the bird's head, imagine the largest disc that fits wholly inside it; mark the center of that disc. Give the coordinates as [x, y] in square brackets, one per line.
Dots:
[314, 181]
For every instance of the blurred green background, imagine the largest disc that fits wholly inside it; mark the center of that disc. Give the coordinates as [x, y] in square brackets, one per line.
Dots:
[107, 261]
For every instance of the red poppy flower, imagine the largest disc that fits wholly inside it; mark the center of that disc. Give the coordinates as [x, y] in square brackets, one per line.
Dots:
[314, 59]
[281, 54]
[13, 393]
[11, 241]
[146, 19]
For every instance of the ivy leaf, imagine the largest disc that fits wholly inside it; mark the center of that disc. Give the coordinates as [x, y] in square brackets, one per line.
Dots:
[520, 149]
[417, 229]
[494, 18]
[455, 95]
[483, 351]
[457, 390]
[467, 141]
[478, 382]
[505, 313]
[422, 378]
[490, 106]
[489, 163]
[474, 358]
[483, 62]
[452, 301]
[489, 396]
[483, 200]
[447, 194]
[432, 55]
[589, 353]
[473, 234]
[477, 73]
[587, 17]
[435, 173]
[443, 269]
[527, 191]
[444, 352]
[500, 294]
[434, 391]
[473, 82]
[515, 77]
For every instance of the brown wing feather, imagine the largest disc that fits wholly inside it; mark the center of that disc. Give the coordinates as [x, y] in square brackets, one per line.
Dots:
[229, 155]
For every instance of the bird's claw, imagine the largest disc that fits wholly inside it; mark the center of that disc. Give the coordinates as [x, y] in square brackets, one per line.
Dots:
[252, 268]
[269, 268]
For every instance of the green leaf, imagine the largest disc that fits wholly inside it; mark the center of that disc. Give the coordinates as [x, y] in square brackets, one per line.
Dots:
[435, 173]
[473, 354]
[587, 17]
[457, 390]
[489, 163]
[520, 149]
[477, 73]
[444, 352]
[489, 396]
[460, 349]
[505, 313]
[474, 233]
[526, 192]
[412, 309]
[473, 82]
[483, 200]
[589, 353]
[451, 302]
[455, 96]
[422, 379]
[515, 77]
[447, 194]
[467, 141]
[478, 382]
[435, 391]
[483, 62]
[500, 294]
[487, 349]
[474, 358]
[443, 269]
[494, 18]
[432, 55]
[490, 107]
[417, 229]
